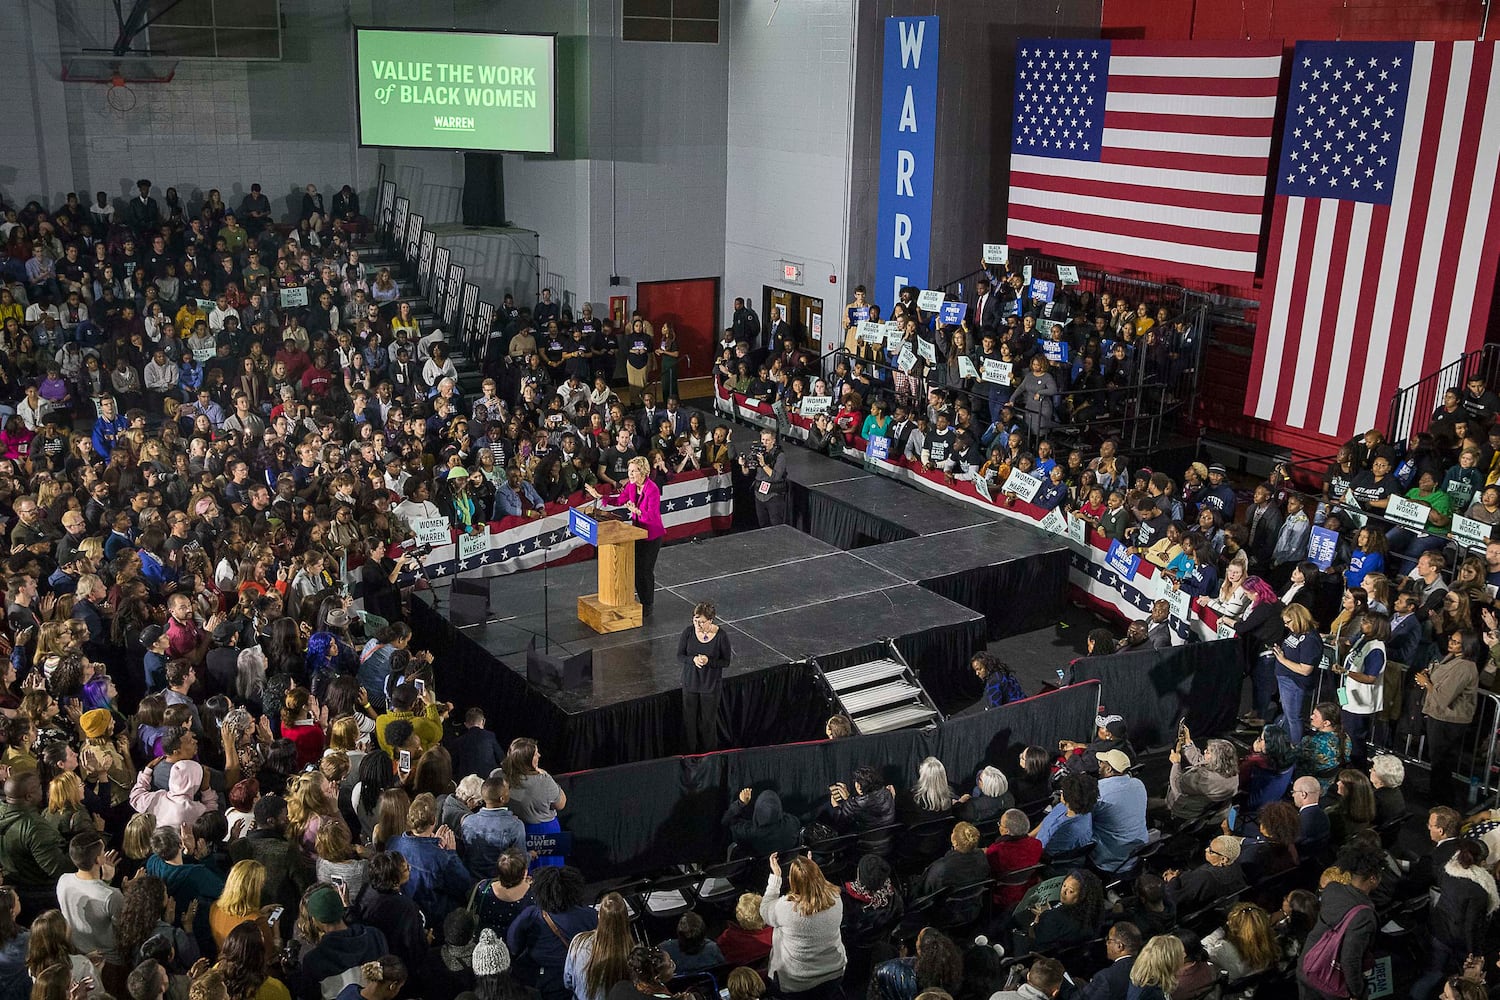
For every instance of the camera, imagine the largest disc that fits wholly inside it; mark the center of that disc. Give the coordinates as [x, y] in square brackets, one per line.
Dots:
[418, 551]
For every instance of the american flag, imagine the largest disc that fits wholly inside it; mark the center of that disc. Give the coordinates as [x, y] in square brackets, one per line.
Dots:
[1144, 156]
[1383, 238]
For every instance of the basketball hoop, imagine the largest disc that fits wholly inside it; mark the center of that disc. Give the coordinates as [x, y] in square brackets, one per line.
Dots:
[120, 74]
[119, 97]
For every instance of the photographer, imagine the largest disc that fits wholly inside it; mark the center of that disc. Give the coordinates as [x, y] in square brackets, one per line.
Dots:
[767, 464]
[378, 577]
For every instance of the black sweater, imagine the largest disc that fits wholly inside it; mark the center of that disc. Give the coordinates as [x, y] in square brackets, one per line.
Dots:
[706, 678]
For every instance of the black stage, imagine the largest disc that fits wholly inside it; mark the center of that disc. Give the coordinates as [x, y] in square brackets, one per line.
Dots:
[938, 577]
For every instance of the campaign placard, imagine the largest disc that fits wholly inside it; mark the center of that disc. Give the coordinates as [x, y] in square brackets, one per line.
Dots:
[812, 406]
[1471, 532]
[1119, 559]
[431, 530]
[1055, 521]
[1023, 485]
[1322, 546]
[1407, 513]
[998, 372]
[474, 543]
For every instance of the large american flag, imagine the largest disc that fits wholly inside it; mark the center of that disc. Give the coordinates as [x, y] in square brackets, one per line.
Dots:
[1383, 238]
[1144, 156]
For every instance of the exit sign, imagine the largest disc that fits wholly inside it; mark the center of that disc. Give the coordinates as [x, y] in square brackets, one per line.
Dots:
[792, 273]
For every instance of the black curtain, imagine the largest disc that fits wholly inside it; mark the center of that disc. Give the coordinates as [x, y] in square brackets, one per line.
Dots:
[999, 735]
[839, 524]
[784, 703]
[1200, 681]
[638, 818]
[643, 817]
[1017, 596]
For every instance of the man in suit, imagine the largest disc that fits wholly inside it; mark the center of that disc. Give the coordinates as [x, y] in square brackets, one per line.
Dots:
[648, 414]
[1442, 829]
[676, 416]
[986, 306]
[778, 329]
[1113, 981]
[1159, 627]
[1314, 831]
[475, 750]
[142, 213]
[1406, 630]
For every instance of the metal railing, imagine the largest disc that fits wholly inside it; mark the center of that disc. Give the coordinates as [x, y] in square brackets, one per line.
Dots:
[1411, 407]
[1475, 764]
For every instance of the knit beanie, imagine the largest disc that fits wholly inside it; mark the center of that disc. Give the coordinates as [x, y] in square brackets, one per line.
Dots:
[490, 955]
[96, 724]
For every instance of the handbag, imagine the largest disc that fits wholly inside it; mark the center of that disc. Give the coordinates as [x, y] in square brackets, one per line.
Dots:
[1322, 967]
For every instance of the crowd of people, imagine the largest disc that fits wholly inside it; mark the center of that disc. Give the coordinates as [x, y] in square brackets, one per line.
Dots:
[225, 780]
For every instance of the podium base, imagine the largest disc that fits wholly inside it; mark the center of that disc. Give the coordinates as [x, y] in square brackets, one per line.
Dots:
[604, 618]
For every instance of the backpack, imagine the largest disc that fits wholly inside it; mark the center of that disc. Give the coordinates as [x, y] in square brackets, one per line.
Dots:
[1321, 966]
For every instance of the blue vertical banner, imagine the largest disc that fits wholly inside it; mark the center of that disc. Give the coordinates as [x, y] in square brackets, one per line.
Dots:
[908, 134]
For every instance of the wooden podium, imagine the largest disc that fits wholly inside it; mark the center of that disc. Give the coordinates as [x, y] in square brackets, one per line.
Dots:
[614, 608]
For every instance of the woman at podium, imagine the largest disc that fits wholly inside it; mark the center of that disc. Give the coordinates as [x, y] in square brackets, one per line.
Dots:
[642, 499]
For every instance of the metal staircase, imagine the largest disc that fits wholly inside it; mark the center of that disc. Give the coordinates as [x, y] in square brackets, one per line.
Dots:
[881, 695]
[378, 256]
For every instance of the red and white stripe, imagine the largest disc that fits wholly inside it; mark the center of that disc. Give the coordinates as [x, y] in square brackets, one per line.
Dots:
[1363, 299]
[1180, 186]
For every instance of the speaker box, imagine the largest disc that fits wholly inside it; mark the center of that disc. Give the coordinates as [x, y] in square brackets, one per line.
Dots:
[484, 190]
[469, 601]
[562, 671]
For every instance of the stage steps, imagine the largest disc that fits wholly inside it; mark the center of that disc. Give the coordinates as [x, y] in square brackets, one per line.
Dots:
[881, 695]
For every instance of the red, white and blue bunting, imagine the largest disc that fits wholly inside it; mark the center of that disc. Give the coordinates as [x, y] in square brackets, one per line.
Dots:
[1090, 576]
[692, 503]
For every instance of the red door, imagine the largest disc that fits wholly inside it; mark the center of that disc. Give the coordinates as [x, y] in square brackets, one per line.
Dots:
[692, 307]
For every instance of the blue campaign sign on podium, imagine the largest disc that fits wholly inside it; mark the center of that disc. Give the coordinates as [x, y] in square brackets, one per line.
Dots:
[583, 526]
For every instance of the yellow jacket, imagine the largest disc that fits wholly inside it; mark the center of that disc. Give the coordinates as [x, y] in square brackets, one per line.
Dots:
[428, 726]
